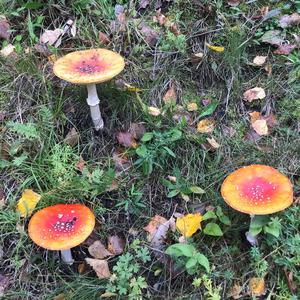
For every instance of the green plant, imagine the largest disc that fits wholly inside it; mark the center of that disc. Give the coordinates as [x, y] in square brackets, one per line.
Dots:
[265, 224]
[180, 186]
[155, 147]
[259, 264]
[132, 203]
[211, 292]
[187, 256]
[174, 42]
[125, 281]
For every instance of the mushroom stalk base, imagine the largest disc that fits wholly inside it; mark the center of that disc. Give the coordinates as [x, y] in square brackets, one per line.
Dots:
[93, 101]
[66, 256]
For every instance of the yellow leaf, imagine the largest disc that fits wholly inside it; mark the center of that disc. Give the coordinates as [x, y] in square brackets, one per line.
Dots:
[261, 127]
[206, 126]
[215, 48]
[28, 202]
[257, 286]
[154, 111]
[131, 88]
[192, 106]
[189, 224]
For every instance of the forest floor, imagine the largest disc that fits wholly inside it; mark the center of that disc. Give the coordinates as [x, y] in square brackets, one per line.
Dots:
[180, 118]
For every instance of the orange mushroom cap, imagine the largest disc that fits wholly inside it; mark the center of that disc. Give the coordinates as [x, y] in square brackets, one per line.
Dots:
[258, 190]
[61, 226]
[89, 66]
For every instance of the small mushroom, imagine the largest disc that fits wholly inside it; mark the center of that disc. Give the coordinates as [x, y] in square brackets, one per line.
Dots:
[257, 190]
[61, 227]
[89, 67]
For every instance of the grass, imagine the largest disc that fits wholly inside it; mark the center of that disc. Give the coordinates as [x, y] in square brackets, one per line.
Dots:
[40, 110]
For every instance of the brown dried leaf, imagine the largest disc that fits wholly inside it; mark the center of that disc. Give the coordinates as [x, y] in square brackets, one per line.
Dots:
[235, 292]
[60, 296]
[100, 267]
[257, 286]
[154, 111]
[254, 93]
[4, 283]
[8, 50]
[116, 244]
[260, 127]
[174, 29]
[160, 18]
[192, 106]
[2, 198]
[153, 224]
[80, 165]
[4, 28]
[50, 37]
[213, 143]
[150, 35]
[233, 3]
[103, 38]
[81, 268]
[98, 250]
[289, 20]
[42, 49]
[120, 159]
[126, 139]
[170, 96]
[72, 138]
[259, 60]
[206, 126]
[137, 130]
[285, 49]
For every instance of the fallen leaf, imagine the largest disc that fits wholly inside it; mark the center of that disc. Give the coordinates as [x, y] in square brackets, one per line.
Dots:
[189, 224]
[273, 37]
[144, 3]
[80, 165]
[114, 186]
[42, 49]
[98, 250]
[228, 131]
[206, 126]
[4, 28]
[120, 159]
[197, 57]
[108, 295]
[259, 60]
[100, 267]
[115, 245]
[213, 143]
[235, 292]
[260, 127]
[254, 116]
[154, 111]
[27, 202]
[172, 178]
[192, 106]
[290, 280]
[72, 137]
[2, 198]
[8, 50]
[254, 93]
[174, 29]
[60, 296]
[170, 96]
[126, 139]
[50, 37]
[81, 268]
[154, 223]
[160, 18]
[103, 38]
[4, 283]
[285, 49]
[233, 3]
[257, 286]
[150, 35]
[289, 20]
[215, 48]
[137, 130]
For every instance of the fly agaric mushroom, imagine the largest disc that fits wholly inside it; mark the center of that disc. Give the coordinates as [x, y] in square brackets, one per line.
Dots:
[61, 227]
[257, 190]
[89, 67]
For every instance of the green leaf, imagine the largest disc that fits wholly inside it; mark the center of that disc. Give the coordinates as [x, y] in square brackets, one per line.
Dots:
[259, 221]
[147, 137]
[169, 151]
[181, 250]
[191, 263]
[173, 193]
[141, 151]
[209, 215]
[209, 109]
[255, 230]
[196, 189]
[203, 261]
[223, 218]
[33, 5]
[213, 229]
[176, 135]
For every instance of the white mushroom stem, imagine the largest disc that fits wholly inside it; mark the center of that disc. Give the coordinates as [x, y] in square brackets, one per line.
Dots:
[66, 256]
[252, 239]
[93, 101]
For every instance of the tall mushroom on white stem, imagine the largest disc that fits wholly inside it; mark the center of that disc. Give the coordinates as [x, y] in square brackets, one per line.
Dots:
[89, 67]
[61, 227]
[257, 190]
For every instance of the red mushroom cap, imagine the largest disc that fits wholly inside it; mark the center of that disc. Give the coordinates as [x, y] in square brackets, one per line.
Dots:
[61, 226]
[257, 189]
